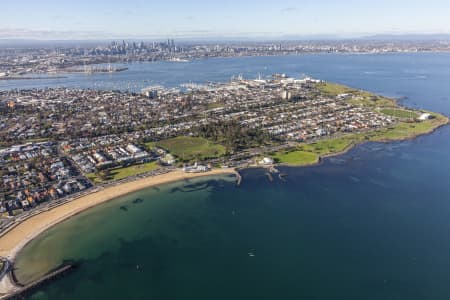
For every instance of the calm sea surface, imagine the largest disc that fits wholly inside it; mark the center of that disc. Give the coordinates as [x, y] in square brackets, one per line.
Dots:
[371, 224]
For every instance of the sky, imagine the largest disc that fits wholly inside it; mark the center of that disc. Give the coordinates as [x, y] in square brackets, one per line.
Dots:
[95, 19]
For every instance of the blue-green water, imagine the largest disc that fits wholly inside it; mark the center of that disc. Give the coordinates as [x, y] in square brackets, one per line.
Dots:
[371, 224]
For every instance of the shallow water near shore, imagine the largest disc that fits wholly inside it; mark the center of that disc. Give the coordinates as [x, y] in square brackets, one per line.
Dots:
[373, 223]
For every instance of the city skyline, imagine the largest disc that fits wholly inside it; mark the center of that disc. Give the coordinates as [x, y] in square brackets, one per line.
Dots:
[84, 19]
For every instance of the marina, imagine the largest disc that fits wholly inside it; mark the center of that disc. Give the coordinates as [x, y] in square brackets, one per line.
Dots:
[94, 69]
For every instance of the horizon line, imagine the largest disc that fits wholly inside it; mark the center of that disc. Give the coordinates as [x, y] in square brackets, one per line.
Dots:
[231, 37]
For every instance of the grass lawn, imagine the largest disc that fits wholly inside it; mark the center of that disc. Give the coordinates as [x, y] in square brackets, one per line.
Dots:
[150, 145]
[92, 177]
[362, 98]
[328, 146]
[296, 158]
[306, 154]
[120, 173]
[333, 89]
[399, 113]
[212, 105]
[372, 101]
[404, 130]
[190, 148]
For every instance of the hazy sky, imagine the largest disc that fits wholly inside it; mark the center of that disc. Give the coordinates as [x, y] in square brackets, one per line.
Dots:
[208, 18]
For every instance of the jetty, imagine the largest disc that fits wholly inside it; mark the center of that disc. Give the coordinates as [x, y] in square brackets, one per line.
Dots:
[26, 290]
[281, 176]
[238, 178]
[269, 176]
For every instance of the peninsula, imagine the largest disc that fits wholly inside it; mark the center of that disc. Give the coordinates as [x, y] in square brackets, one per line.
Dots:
[60, 142]
[66, 150]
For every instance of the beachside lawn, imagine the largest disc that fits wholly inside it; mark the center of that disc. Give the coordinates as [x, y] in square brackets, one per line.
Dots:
[306, 154]
[399, 113]
[120, 173]
[190, 148]
[405, 130]
[360, 98]
[333, 89]
[296, 158]
[328, 146]
[371, 100]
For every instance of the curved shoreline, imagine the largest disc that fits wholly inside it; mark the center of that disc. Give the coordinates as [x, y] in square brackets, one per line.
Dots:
[16, 238]
[13, 241]
[444, 121]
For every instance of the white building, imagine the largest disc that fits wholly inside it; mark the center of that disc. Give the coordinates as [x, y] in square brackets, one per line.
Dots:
[196, 168]
[133, 149]
[266, 161]
[424, 117]
[168, 159]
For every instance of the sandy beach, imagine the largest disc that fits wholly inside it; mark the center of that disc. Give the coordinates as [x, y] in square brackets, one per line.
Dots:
[14, 240]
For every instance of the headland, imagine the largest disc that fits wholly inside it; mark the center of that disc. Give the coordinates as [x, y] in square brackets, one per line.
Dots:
[245, 123]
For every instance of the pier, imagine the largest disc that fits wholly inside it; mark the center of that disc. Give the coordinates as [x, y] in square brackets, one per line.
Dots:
[238, 178]
[281, 176]
[33, 286]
